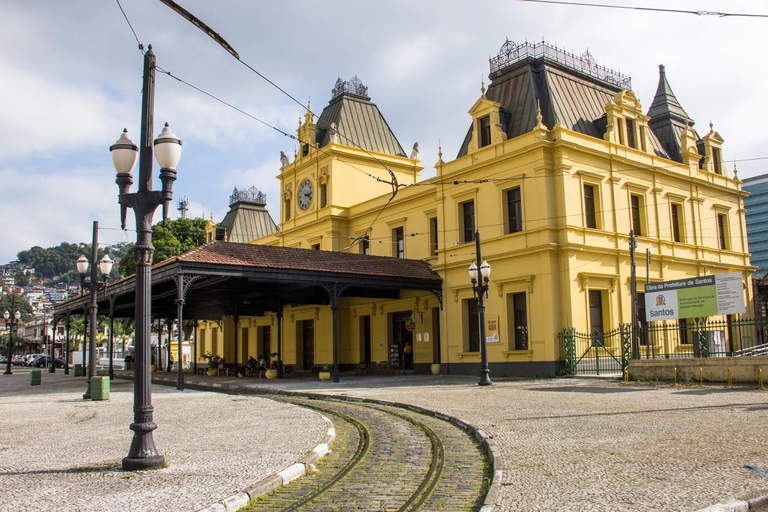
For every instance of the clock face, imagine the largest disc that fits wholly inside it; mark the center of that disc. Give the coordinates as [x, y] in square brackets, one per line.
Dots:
[305, 194]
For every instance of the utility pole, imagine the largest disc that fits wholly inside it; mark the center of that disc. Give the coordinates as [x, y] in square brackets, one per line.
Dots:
[633, 286]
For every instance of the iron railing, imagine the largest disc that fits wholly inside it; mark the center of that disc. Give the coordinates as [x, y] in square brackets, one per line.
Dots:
[511, 53]
[602, 353]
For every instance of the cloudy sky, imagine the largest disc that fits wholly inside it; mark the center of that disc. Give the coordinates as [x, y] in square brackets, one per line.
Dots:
[70, 81]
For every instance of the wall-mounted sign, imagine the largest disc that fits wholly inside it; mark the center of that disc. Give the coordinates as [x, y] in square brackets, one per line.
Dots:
[492, 329]
[721, 294]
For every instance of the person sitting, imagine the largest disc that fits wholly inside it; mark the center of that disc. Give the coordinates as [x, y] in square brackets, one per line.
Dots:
[261, 370]
[250, 369]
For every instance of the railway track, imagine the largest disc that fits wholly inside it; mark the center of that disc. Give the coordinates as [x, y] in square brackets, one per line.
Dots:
[387, 458]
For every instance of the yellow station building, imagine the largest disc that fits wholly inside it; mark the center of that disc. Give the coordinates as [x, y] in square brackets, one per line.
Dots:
[559, 164]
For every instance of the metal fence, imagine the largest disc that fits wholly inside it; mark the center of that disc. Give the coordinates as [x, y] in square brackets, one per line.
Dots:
[606, 353]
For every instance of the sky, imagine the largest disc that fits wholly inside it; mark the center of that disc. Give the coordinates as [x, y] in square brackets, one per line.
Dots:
[71, 78]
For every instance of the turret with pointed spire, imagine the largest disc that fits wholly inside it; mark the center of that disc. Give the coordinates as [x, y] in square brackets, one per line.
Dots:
[668, 119]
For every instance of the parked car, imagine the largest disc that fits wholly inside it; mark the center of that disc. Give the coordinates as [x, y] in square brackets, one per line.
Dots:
[44, 361]
[29, 359]
[3, 360]
[17, 360]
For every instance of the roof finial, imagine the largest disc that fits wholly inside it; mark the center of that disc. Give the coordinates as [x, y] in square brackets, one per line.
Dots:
[538, 111]
[482, 85]
[735, 171]
[661, 69]
[439, 150]
[711, 127]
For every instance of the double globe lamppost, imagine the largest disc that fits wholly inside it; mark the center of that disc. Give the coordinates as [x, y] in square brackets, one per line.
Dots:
[7, 317]
[480, 289]
[93, 285]
[144, 202]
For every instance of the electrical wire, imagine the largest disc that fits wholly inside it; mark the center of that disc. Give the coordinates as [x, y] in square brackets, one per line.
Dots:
[141, 46]
[652, 9]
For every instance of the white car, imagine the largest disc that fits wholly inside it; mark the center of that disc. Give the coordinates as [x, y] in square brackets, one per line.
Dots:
[29, 359]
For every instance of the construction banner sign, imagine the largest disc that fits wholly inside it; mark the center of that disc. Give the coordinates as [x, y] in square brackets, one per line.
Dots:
[721, 294]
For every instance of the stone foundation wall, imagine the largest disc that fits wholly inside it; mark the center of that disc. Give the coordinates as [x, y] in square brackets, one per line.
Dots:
[715, 369]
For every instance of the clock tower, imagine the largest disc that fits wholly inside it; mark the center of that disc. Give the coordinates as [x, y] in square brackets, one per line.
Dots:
[345, 157]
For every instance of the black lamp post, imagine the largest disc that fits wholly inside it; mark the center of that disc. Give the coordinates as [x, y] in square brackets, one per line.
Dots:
[105, 266]
[480, 288]
[144, 202]
[15, 319]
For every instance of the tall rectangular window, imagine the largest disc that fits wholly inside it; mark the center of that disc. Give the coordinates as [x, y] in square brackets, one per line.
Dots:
[722, 230]
[365, 246]
[716, 161]
[323, 195]
[595, 311]
[473, 326]
[676, 224]
[590, 214]
[287, 209]
[467, 211]
[399, 247]
[485, 131]
[636, 203]
[433, 236]
[631, 133]
[514, 211]
[519, 319]
[315, 247]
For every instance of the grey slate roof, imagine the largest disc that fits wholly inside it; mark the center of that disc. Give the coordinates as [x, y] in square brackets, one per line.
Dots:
[247, 221]
[668, 119]
[566, 96]
[359, 123]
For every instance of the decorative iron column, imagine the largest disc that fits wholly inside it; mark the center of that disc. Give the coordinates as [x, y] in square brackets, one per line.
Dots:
[111, 334]
[10, 316]
[480, 287]
[66, 347]
[142, 453]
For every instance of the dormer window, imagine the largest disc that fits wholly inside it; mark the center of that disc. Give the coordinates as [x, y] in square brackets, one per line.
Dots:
[485, 131]
[631, 133]
[716, 166]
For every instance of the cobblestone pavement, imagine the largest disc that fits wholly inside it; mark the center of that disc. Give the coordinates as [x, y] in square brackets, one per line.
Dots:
[567, 444]
[395, 465]
[593, 444]
[59, 452]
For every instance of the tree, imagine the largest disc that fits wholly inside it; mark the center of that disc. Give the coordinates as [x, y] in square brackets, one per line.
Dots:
[170, 239]
[6, 301]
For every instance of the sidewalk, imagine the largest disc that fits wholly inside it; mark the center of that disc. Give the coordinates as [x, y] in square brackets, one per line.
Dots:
[60, 452]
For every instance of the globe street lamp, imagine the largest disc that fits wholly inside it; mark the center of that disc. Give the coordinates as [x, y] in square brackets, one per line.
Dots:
[7, 316]
[480, 289]
[144, 202]
[105, 266]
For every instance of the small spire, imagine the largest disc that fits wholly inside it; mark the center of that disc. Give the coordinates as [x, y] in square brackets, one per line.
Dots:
[711, 127]
[439, 150]
[735, 171]
[482, 86]
[538, 112]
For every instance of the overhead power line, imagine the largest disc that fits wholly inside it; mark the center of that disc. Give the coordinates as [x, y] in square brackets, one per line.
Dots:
[652, 9]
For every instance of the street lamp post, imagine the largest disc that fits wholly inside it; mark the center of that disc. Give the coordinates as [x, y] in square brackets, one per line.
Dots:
[105, 266]
[480, 288]
[15, 319]
[144, 202]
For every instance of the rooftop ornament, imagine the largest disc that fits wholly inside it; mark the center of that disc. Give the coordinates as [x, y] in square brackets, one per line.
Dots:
[511, 53]
[251, 195]
[352, 86]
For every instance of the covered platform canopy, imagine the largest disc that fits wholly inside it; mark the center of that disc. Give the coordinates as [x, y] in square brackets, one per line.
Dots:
[228, 278]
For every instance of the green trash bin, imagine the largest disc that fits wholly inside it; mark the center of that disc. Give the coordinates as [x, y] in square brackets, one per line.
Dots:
[99, 388]
[78, 370]
[34, 378]
[52, 368]
[127, 365]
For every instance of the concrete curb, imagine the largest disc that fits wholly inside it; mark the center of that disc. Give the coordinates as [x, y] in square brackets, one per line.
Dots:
[755, 502]
[267, 485]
